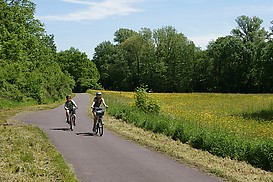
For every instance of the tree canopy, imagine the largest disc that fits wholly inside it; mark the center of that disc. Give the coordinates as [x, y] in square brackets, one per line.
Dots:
[83, 71]
[28, 58]
[167, 61]
[162, 56]
[164, 59]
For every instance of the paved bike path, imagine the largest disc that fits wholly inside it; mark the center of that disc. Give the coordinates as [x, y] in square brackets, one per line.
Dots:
[108, 158]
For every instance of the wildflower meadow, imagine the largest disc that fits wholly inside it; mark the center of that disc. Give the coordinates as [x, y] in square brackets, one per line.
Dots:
[238, 126]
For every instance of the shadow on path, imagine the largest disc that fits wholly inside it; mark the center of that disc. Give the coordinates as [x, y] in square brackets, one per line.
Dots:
[85, 134]
[60, 129]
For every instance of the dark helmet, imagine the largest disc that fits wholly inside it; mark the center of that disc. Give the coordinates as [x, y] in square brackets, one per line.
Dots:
[68, 96]
[98, 93]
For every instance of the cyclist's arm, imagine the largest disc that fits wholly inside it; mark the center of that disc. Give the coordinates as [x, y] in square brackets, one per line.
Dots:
[74, 103]
[65, 106]
[92, 106]
[103, 102]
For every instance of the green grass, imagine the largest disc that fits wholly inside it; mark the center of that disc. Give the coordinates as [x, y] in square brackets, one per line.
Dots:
[236, 126]
[225, 168]
[26, 153]
[5, 103]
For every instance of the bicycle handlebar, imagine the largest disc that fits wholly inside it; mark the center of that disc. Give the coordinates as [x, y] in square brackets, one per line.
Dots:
[96, 108]
[74, 108]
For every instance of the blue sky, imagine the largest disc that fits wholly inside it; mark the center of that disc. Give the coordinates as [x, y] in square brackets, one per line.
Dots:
[84, 24]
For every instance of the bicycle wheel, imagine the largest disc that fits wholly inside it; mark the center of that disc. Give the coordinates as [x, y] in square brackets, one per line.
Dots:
[74, 122]
[71, 122]
[96, 128]
[100, 128]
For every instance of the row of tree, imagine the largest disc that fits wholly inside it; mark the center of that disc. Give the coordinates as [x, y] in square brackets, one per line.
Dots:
[30, 67]
[167, 61]
[163, 59]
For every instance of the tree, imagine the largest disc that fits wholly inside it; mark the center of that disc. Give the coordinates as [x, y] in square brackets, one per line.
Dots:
[202, 72]
[249, 30]
[149, 67]
[27, 56]
[133, 47]
[83, 70]
[157, 58]
[175, 52]
[123, 34]
[229, 58]
[112, 66]
[267, 67]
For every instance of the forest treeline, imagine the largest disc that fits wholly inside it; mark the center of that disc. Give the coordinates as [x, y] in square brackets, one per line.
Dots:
[167, 61]
[30, 66]
[164, 59]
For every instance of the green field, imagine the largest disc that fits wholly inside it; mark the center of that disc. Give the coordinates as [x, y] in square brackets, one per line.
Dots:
[237, 126]
[248, 116]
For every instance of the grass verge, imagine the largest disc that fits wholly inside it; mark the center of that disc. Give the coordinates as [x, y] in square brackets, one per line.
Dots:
[26, 153]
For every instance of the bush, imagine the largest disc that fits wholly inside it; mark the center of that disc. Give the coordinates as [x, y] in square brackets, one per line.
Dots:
[179, 134]
[145, 103]
[261, 155]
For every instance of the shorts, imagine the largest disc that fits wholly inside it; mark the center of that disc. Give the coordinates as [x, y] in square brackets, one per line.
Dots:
[72, 110]
[95, 108]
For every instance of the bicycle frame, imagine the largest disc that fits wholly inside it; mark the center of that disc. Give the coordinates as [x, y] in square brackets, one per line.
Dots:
[99, 124]
[71, 119]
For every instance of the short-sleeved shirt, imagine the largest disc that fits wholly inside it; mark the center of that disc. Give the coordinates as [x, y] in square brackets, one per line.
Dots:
[97, 101]
[70, 105]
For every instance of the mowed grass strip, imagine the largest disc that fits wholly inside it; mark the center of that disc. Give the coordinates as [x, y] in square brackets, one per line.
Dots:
[26, 153]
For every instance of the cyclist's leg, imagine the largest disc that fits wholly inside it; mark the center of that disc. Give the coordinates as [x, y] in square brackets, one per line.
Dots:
[67, 115]
[75, 116]
[95, 119]
[100, 126]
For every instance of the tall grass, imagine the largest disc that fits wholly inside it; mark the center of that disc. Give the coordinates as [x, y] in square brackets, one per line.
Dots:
[237, 126]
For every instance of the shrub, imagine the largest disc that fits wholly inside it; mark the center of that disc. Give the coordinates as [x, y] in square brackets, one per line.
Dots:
[261, 155]
[145, 103]
[179, 134]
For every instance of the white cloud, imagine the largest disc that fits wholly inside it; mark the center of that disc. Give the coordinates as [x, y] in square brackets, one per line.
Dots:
[96, 10]
[203, 41]
[81, 2]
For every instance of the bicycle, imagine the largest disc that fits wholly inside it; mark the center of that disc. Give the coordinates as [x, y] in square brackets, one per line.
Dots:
[99, 125]
[71, 121]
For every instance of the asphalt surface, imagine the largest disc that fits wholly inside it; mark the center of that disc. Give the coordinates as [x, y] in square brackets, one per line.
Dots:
[108, 158]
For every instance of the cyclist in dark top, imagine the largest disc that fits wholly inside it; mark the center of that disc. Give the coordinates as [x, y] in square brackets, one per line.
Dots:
[98, 100]
[70, 105]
